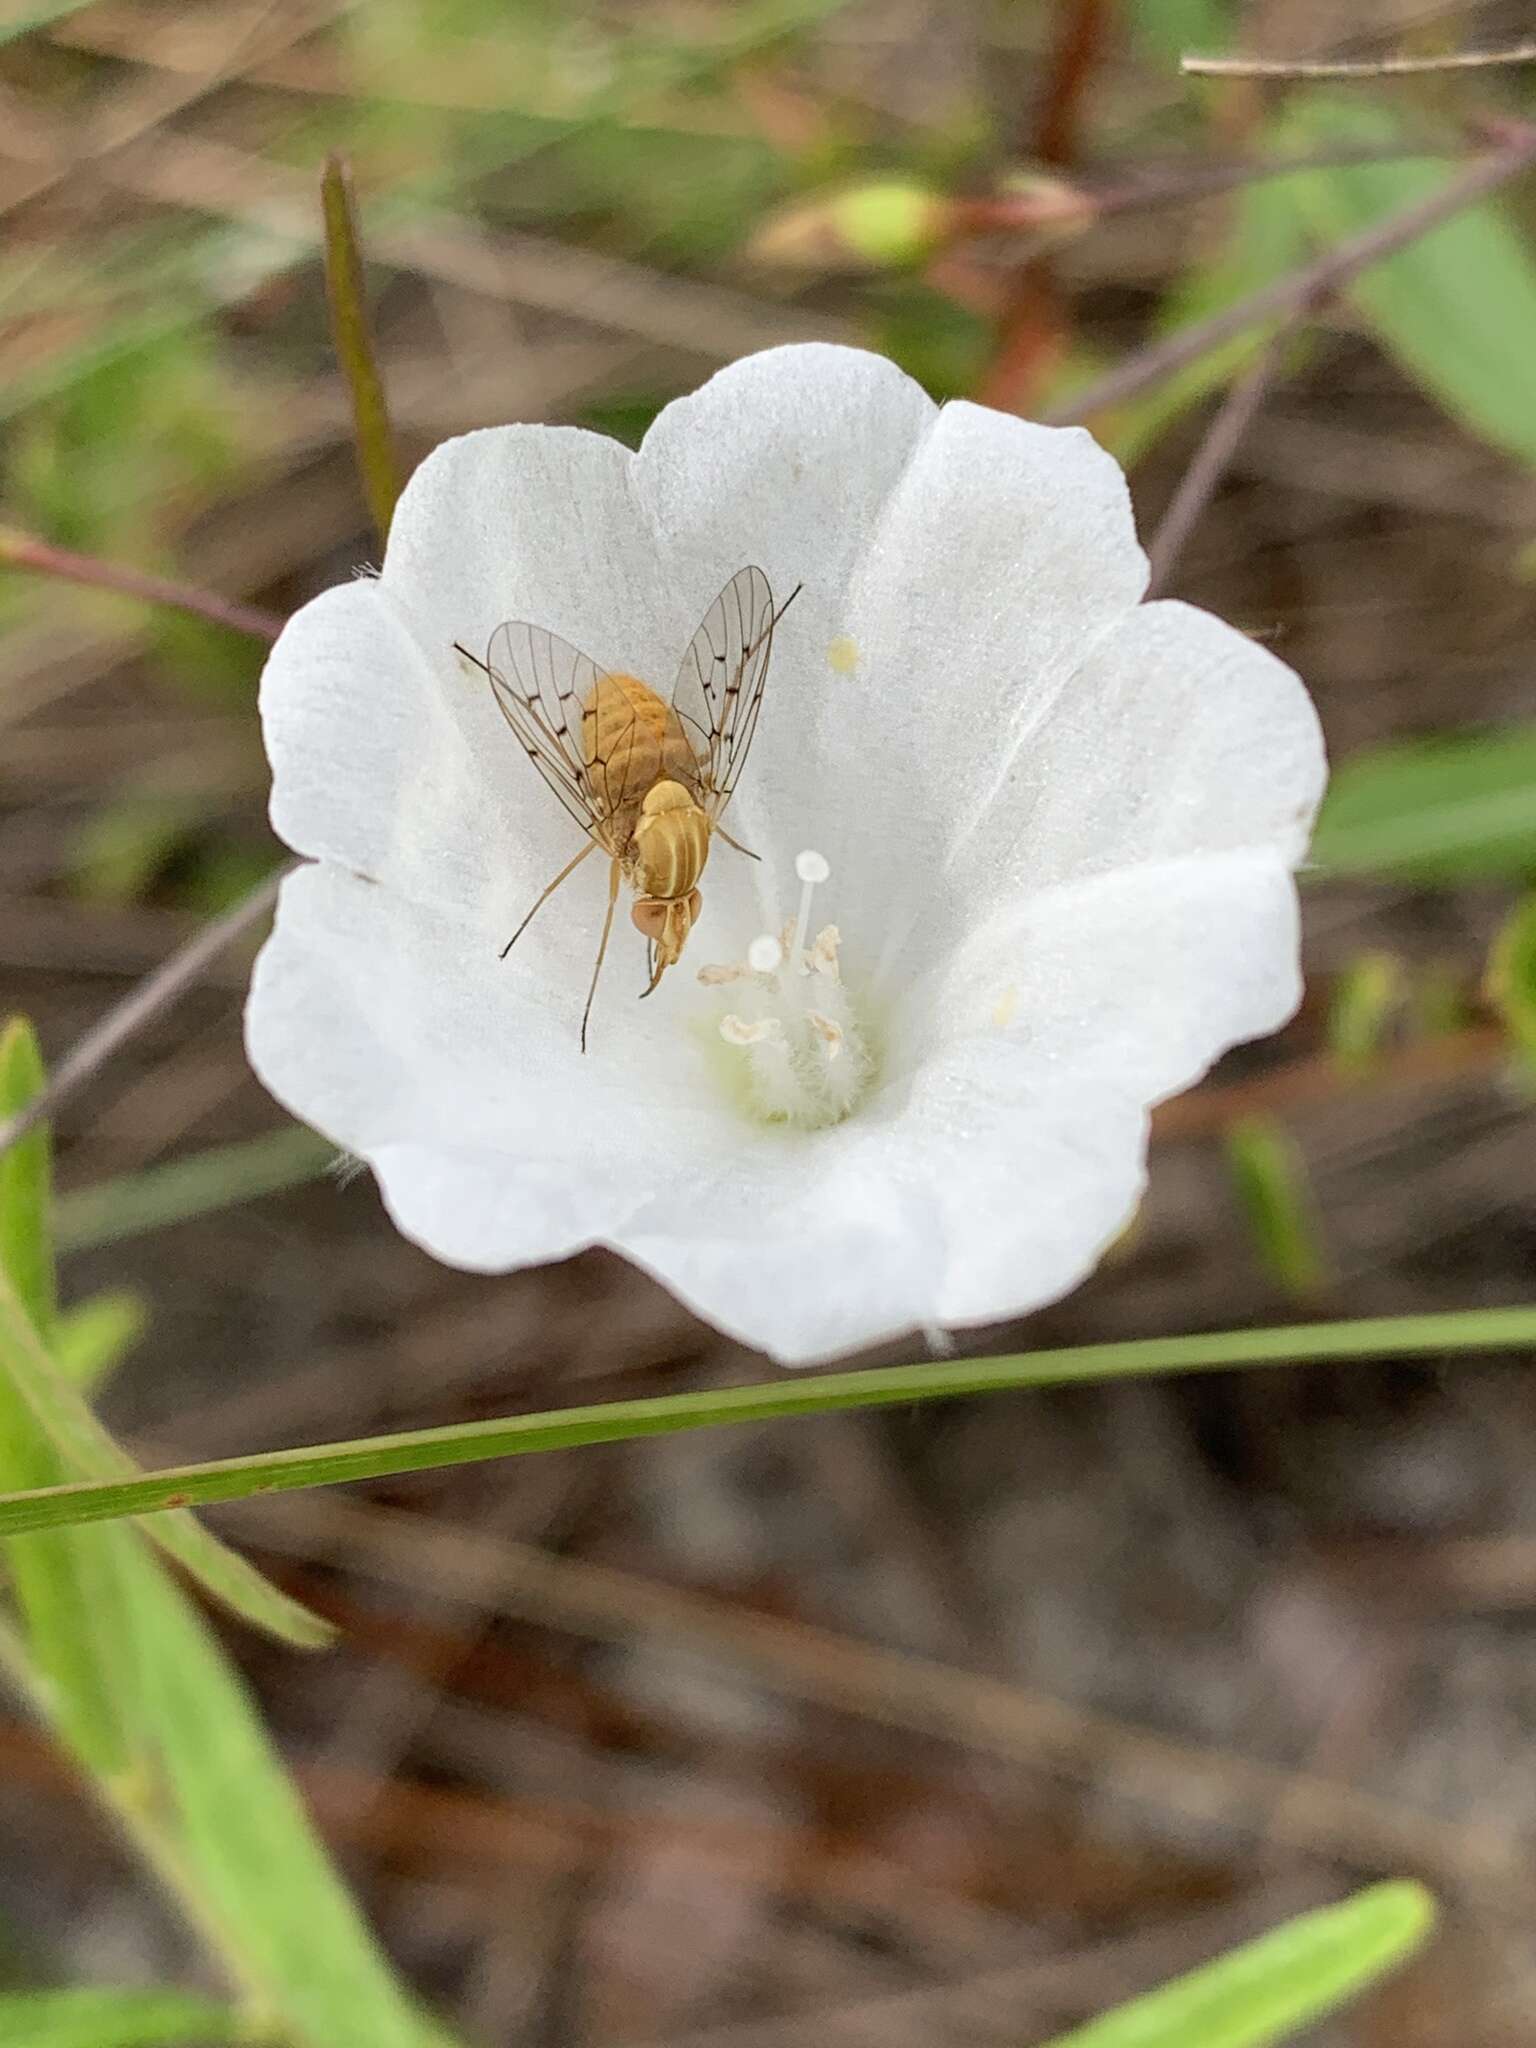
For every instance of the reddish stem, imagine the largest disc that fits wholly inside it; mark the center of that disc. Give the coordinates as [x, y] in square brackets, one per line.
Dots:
[25, 551]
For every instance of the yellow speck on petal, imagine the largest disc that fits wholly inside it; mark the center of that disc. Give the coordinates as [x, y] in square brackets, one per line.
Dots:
[1006, 1008]
[843, 655]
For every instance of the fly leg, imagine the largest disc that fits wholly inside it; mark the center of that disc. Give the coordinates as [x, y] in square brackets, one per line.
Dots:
[569, 869]
[737, 844]
[613, 897]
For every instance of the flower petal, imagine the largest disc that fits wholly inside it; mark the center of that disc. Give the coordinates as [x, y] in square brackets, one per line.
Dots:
[1006, 551]
[377, 1021]
[1008, 1148]
[536, 523]
[1177, 735]
[784, 460]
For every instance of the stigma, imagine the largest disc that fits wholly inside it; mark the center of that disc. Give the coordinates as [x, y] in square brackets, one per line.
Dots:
[792, 1029]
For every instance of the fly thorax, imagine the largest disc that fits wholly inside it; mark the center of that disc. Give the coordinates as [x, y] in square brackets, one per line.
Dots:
[670, 844]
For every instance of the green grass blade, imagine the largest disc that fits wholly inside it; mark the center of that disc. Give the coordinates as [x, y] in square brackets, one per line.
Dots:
[91, 1339]
[1266, 1990]
[83, 1445]
[1269, 1176]
[1457, 808]
[419, 1450]
[115, 2019]
[185, 1188]
[26, 1181]
[1511, 979]
[211, 1811]
[372, 434]
[243, 1844]
[60, 1582]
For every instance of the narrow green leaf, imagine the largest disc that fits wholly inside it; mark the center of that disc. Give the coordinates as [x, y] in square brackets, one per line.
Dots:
[421, 1450]
[26, 1248]
[116, 2019]
[1266, 1990]
[242, 1844]
[84, 1446]
[91, 1339]
[59, 1580]
[1457, 307]
[1457, 808]
[211, 1811]
[1366, 997]
[1270, 1177]
[134, 1203]
[372, 433]
[1511, 979]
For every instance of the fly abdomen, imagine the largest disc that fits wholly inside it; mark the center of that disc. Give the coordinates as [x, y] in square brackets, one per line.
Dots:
[671, 843]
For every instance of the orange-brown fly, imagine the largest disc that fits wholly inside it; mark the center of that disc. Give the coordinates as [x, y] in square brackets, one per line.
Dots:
[646, 780]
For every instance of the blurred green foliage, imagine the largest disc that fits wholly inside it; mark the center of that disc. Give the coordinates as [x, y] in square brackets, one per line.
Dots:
[1269, 1178]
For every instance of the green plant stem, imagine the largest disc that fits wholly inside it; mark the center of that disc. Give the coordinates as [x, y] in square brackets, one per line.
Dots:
[373, 436]
[1498, 1329]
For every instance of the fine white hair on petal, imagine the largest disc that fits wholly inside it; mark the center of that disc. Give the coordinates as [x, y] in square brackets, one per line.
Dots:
[1059, 826]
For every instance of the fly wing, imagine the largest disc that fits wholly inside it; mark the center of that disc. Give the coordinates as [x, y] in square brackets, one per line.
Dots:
[543, 684]
[719, 687]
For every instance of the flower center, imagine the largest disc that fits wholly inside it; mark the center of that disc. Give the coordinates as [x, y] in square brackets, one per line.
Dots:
[795, 1039]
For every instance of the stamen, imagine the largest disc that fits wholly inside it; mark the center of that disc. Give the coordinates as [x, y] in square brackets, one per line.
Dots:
[812, 867]
[823, 954]
[797, 1032]
[830, 1034]
[737, 1031]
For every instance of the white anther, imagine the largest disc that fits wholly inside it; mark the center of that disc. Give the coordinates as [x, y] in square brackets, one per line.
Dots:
[830, 1034]
[812, 868]
[737, 1031]
[823, 954]
[765, 955]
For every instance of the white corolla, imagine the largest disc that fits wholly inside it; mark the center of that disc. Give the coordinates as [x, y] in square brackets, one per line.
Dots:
[1024, 858]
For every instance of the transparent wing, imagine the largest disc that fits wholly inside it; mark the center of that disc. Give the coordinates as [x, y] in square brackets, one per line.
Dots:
[719, 687]
[542, 684]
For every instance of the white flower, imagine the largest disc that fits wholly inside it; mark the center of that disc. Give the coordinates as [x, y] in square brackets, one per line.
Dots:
[1057, 826]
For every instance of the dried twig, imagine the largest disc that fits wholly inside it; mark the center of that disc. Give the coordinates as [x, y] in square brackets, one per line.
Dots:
[25, 551]
[1355, 67]
[1210, 463]
[156, 992]
[1284, 297]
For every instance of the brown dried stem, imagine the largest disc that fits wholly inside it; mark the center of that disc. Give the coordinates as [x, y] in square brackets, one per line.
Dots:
[1283, 298]
[1209, 464]
[156, 992]
[1355, 67]
[26, 551]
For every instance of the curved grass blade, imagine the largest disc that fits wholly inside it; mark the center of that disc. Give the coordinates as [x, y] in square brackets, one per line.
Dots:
[1267, 1989]
[83, 1445]
[116, 2019]
[420, 1450]
[197, 1185]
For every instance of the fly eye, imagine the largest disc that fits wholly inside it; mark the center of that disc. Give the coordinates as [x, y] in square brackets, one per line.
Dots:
[650, 918]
